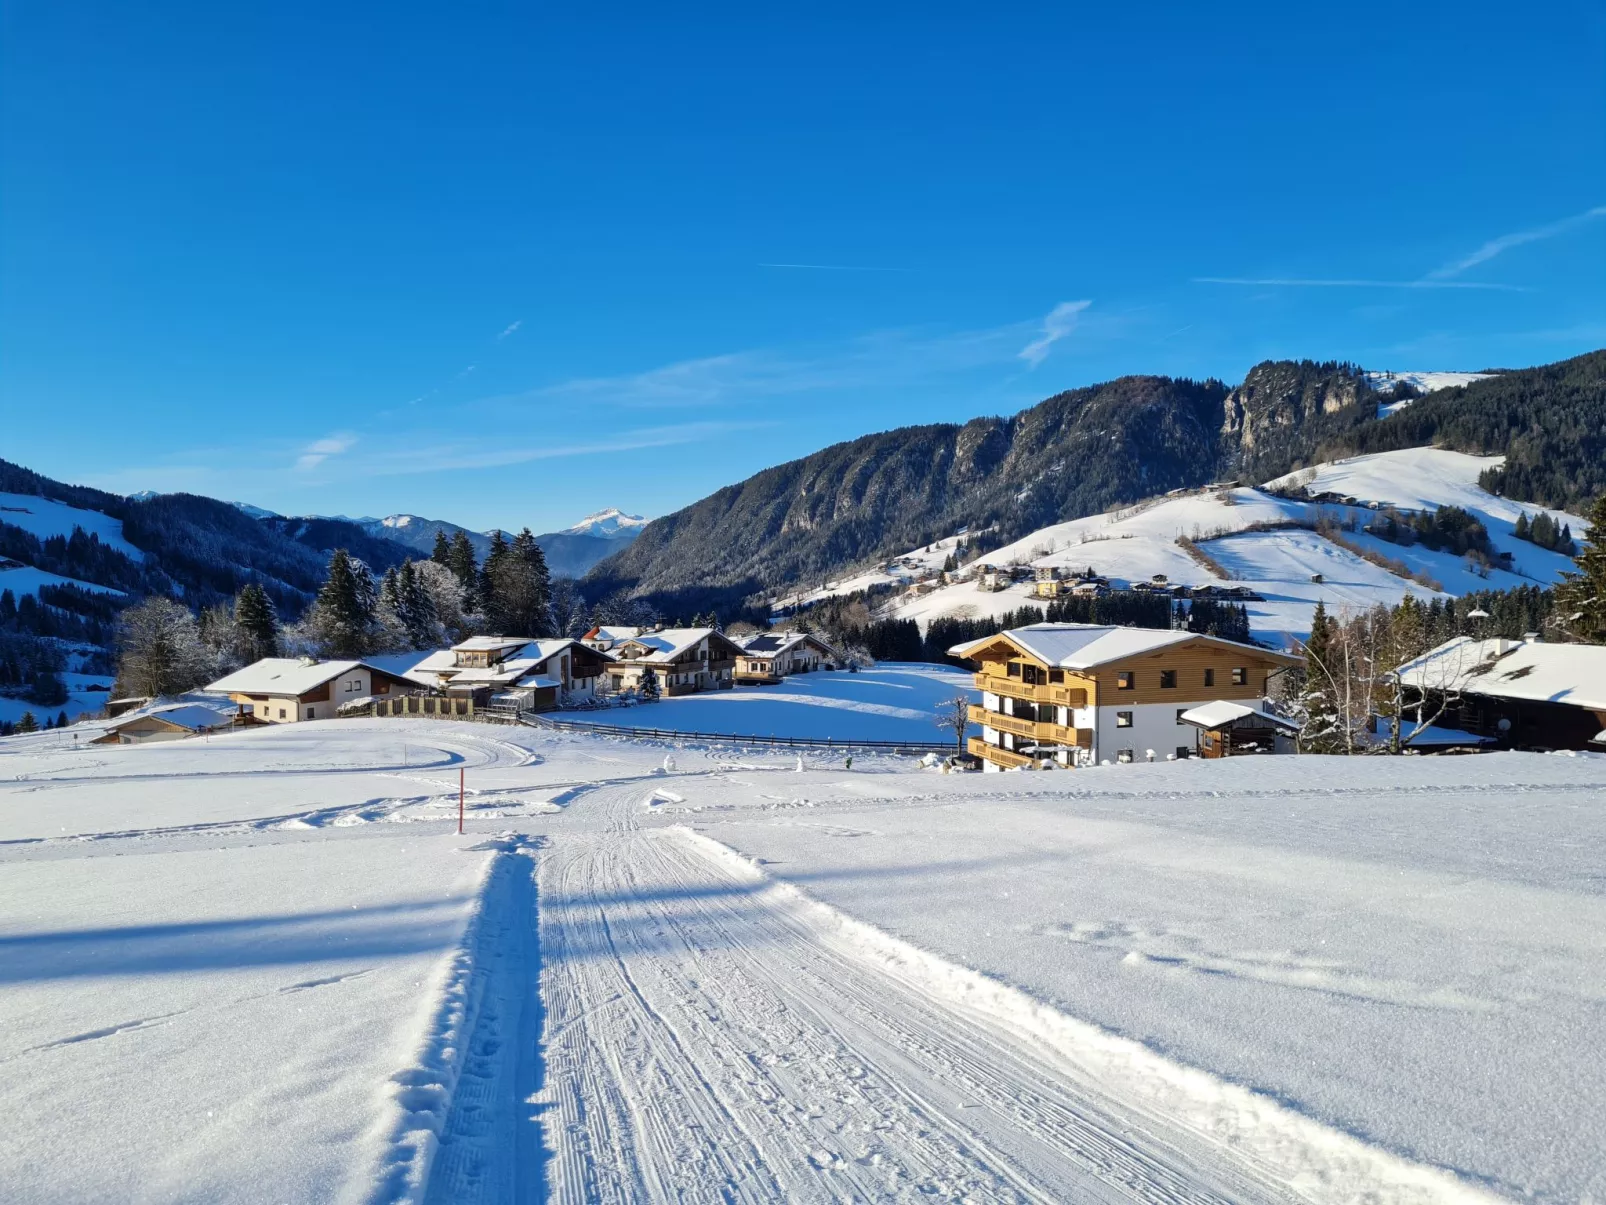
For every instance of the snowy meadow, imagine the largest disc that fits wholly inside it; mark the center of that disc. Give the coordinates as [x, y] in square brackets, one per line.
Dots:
[265, 966]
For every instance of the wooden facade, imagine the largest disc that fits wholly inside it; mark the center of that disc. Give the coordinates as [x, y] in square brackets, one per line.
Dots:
[1048, 713]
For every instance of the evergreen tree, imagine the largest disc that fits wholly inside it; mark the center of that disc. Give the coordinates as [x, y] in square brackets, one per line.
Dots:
[442, 555]
[61, 718]
[1520, 530]
[256, 623]
[648, 690]
[460, 560]
[1318, 704]
[27, 723]
[415, 608]
[517, 586]
[1581, 598]
[343, 614]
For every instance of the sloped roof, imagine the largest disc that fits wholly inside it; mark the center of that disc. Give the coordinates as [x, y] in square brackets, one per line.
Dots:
[772, 644]
[1225, 711]
[523, 660]
[490, 643]
[1573, 674]
[282, 676]
[667, 644]
[1087, 645]
[193, 716]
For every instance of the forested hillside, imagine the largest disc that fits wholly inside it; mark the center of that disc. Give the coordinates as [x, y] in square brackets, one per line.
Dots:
[1091, 449]
[1549, 421]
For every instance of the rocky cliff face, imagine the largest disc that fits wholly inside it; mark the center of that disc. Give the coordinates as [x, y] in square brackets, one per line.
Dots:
[1268, 419]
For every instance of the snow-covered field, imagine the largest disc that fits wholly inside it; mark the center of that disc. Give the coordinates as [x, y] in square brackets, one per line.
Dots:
[44, 518]
[1136, 543]
[1427, 382]
[891, 702]
[25, 579]
[264, 967]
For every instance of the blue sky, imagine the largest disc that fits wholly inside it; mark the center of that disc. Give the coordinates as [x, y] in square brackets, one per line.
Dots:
[506, 264]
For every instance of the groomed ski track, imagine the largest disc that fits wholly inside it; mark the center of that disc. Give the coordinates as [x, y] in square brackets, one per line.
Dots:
[708, 1034]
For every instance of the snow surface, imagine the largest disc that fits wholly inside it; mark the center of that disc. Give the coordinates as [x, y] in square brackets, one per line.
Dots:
[894, 701]
[262, 966]
[1136, 543]
[1427, 382]
[610, 523]
[44, 517]
[25, 579]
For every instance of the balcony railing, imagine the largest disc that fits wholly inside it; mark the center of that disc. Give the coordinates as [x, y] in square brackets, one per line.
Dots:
[1065, 696]
[1041, 732]
[999, 757]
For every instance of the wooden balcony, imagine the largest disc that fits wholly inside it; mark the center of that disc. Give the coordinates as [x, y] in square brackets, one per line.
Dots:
[1042, 733]
[1065, 696]
[999, 757]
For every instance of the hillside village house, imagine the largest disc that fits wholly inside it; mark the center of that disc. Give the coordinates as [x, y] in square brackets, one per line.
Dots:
[283, 690]
[1082, 694]
[685, 660]
[542, 674]
[168, 722]
[770, 656]
[605, 637]
[1523, 694]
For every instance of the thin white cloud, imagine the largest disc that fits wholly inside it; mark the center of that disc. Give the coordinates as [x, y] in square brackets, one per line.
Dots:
[320, 450]
[511, 327]
[442, 455]
[832, 268]
[1061, 321]
[1302, 282]
[1507, 241]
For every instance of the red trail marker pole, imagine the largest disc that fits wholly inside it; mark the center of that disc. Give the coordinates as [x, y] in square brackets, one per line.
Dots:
[459, 801]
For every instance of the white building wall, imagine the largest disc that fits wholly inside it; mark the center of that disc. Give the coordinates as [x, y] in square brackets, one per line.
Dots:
[1154, 726]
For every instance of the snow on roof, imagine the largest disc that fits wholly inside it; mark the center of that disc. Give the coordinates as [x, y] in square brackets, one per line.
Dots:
[282, 676]
[1225, 711]
[667, 644]
[773, 644]
[1085, 645]
[490, 643]
[1573, 674]
[617, 632]
[193, 716]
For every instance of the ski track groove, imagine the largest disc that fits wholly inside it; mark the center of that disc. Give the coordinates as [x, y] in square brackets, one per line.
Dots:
[702, 1044]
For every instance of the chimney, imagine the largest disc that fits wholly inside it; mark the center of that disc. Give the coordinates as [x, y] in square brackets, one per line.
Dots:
[1531, 638]
[309, 661]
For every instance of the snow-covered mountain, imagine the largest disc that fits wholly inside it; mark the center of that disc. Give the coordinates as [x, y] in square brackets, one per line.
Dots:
[1296, 541]
[610, 524]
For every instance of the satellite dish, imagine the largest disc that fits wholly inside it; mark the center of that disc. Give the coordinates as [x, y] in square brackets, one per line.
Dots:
[1504, 725]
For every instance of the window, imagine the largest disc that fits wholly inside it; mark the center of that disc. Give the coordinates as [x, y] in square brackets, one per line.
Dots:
[1240, 676]
[1014, 669]
[1123, 719]
[1123, 680]
[281, 713]
[1168, 679]
[1123, 757]
[1210, 677]
[1056, 675]
[1183, 753]
[309, 713]
[1029, 675]
[1181, 711]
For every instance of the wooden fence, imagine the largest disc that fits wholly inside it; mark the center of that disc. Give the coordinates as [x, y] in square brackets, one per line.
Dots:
[437, 707]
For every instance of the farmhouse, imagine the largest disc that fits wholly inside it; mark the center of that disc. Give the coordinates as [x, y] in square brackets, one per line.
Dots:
[167, 722]
[283, 690]
[544, 673]
[1081, 694]
[1522, 694]
[771, 656]
[685, 660]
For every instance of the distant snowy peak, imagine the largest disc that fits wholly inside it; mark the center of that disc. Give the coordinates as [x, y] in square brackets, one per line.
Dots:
[610, 524]
[1422, 382]
[256, 512]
